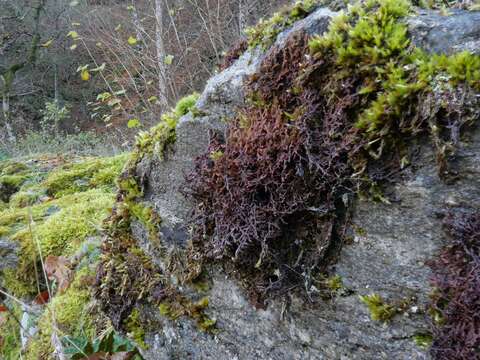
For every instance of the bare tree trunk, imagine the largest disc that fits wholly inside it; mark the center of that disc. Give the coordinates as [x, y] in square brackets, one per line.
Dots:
[162, 68]
[8, 76]
[139, 29]
[6, 109]
[242, 15]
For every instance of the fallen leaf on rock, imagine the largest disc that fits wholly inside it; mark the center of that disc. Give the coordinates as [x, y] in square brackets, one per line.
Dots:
[122, 355]
[42, 298]
[98, 356]
[57, 269]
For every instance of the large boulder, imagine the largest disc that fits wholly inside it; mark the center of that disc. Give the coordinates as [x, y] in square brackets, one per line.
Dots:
[392, 243]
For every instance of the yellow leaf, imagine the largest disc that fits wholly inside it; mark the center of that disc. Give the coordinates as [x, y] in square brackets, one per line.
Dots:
[73, 47]
[168, 60]
[48, 43]
[85, 74]
[133, 123]
[72, 34]
[132, 40]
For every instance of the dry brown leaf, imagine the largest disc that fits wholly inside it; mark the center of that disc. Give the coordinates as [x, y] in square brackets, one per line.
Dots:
[98, 356]
[122, 356]
[42, 298]
[57, 268]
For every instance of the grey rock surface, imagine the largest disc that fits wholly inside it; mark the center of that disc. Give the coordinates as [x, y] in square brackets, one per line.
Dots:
[434, 32]
[388, 255]
[8, 254]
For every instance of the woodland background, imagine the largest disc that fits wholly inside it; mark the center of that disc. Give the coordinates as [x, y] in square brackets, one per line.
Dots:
[86, 75]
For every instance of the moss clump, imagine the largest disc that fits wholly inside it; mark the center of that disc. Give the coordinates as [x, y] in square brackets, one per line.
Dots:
[9, 184]
[379, 309]
[23, 199]
[371, 41]
[68, 314]
[334, 283]
[266, 31]
[61, 222]
[135, 330]
[74, 218]
[186, 104]
[126, 275]
[178, 306]
[12, 167]
[10, 347]
[163, 134]
[423, 340]
[85, 174]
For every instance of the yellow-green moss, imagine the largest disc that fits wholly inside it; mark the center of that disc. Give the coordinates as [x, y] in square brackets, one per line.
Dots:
[12, 180]
[334, 283]
[62, 232]
[371, 41]
[161, 135]
[186, 104]
[10, 349]
[176, 306]
[423, 340]
[23, 199]
[77, 216]
[71, 313]
[12, 167]
[61, 224]
[266, 31]
[83, 175]
[135, 330]
[379, 309]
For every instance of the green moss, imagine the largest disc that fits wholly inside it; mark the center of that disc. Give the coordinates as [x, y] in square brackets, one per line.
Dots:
[23, 199]
[12, 167]
[372, 41]
[177, 306]
[83, 175]
[423, 340]
[70, 312]
[77, 216]
[135, 330]
[334, 283]
[186, 104]
[13, 181]
[61, 224]
[266, 31]
[10, 349]
[379, 309]
[161, 135]
[63, 232]
[147, 216]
